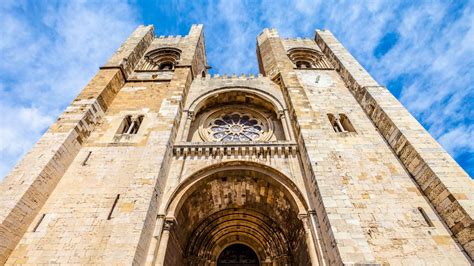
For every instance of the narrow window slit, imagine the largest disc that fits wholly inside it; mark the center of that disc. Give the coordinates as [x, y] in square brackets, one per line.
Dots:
[39, 222]
[340, 123]
[113, 207]
[336, 125]
[346, 123]
[425, 216]
[125, 125]
[86, 159]
[130, 125]
[136, 125]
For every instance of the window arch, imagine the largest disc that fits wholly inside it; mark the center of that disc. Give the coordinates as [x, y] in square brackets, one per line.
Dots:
[164, 59]
[304, 58]
[166, 66]
[303, 64]
[235, 116]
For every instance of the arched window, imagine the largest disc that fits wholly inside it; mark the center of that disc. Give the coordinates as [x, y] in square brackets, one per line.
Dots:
[235, 116]
[164, 59]
[130, 125]
[166, 66]
[304, 58]
[341, 123]
[303, 64]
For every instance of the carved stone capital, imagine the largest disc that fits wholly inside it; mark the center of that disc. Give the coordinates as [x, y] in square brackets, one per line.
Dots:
[281, 114]
[190, 115]
[303, 217]
[169, 223]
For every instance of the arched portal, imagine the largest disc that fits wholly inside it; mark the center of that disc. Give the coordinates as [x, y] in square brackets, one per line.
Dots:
[237, 203]
[237, 254]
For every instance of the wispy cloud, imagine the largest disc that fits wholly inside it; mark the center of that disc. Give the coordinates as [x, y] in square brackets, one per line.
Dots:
[422, 50]
[231, 31]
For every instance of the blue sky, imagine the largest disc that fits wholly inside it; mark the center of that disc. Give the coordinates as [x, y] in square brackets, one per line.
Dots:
[423, 51]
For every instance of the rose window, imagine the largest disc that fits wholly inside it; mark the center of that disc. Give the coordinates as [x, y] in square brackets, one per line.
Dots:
[236, 126]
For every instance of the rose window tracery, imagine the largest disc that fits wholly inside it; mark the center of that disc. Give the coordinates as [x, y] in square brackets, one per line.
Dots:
[237, 126]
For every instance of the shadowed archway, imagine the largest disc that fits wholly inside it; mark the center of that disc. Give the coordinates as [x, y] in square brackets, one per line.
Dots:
[237, 254]
[238, 203]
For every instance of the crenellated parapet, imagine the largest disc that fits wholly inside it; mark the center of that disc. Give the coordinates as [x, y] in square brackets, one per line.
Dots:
[233, 76]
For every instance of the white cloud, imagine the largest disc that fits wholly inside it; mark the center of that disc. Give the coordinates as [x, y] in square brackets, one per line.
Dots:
[432, 59]
[230, 31]
[30, 120]
[458, 139]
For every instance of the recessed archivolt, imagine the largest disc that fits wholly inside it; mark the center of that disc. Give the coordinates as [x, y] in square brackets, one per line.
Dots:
[261, 97]
[231, 226]
[191, 182]
[239, 202]
[308, 58]
[164, 58]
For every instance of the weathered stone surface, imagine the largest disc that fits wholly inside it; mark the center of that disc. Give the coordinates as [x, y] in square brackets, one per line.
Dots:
[449, 189]
[363, 196]
[169, 166]
[132, 50]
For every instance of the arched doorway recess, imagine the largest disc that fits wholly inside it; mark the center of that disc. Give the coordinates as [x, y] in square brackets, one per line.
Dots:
[237, 203]
[238, 254]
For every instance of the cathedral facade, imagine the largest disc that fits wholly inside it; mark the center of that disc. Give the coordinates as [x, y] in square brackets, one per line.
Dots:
[311, 162]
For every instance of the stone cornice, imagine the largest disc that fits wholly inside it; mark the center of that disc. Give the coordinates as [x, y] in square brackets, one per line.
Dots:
[280, 148]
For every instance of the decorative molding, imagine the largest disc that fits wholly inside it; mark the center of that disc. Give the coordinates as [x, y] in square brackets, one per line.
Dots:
[250, 131]
[212, 149]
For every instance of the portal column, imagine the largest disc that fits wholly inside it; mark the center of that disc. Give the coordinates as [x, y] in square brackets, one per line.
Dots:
[155, 240]
[165, 235]
[309, 239]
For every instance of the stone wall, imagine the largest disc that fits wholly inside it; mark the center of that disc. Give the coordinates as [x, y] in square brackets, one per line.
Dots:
[132, 50]
[192, 157]
[384, 194]
[27, 187]
[447, 186]
[366, 202]
[103, 209]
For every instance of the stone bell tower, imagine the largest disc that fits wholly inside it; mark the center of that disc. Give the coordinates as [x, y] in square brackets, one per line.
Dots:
[311, 162]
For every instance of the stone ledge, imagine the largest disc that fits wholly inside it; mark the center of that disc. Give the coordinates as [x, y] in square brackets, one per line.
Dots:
[235, 148]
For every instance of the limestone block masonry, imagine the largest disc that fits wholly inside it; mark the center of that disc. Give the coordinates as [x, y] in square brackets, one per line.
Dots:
[311, 162]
